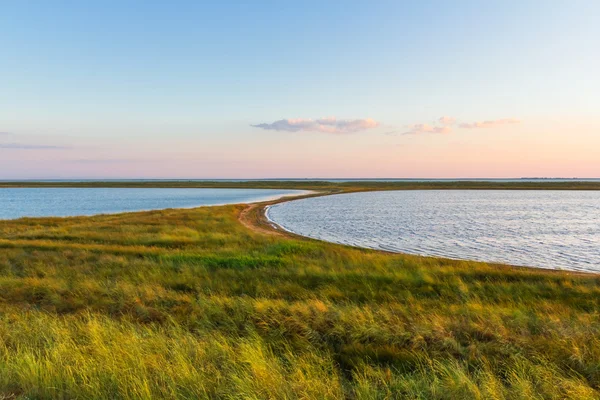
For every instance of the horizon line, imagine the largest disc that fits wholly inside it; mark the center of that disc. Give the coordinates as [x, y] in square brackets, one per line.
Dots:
[290, 179]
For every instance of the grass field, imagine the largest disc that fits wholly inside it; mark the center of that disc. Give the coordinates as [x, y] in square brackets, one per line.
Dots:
[193, 304]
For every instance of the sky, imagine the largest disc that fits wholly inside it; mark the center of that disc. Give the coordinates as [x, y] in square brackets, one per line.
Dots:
[310, 89]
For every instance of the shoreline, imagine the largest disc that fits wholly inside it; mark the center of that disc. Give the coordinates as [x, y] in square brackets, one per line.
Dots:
[261, 200]
[321, 185]
[280, 229]
[255, 217]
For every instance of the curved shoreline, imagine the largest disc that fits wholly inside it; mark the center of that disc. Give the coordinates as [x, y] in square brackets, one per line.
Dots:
[255, 217]
[273, 198]
[278, 229]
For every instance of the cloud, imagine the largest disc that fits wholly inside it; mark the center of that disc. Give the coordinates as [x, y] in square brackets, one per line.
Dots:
[21, 146]
[426, 128]
[111, 161]
[489, 124]
[444, 125]
[326, 125]
[392, 133]
[445, 120]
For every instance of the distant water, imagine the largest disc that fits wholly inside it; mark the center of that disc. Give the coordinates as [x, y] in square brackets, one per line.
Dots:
[62, 202]
[546, 229]
[334, 180]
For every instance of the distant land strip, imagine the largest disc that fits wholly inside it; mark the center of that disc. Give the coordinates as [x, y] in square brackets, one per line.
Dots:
[348, 186]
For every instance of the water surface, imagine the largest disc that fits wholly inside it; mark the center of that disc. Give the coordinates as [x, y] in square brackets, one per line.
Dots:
[547, 229]
[63, 202]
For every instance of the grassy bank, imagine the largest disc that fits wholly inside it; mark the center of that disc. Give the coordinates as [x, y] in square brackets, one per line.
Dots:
[324, 185]
[192, 304]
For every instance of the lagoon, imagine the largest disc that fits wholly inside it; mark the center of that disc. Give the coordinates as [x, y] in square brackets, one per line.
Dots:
[64, 202]
[546, 229]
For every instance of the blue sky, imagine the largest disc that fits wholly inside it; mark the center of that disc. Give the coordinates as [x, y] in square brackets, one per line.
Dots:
[120, 89]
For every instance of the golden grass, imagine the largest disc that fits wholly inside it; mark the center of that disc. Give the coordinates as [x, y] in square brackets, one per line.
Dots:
[192, 304]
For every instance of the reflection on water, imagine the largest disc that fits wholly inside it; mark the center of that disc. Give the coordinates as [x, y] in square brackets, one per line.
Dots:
[548, 229]
[62, 202]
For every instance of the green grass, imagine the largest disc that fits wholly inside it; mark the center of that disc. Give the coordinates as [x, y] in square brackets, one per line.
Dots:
[541, 184]
[191, 304]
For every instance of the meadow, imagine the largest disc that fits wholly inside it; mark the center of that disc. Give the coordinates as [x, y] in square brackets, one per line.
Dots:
[194, 304]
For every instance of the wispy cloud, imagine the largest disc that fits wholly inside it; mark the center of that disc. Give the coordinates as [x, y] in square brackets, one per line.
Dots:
[488, 124]
[445, 124]
[109, 161]
[325, 125]
[23, 146]
[392, 133]
[417, 129]
[446, 121]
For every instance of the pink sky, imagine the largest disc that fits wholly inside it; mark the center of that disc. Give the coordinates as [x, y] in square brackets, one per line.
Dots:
[532, 148]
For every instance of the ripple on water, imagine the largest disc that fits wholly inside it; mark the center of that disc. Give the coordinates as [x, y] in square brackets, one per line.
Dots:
[63, 202]
[546, 229]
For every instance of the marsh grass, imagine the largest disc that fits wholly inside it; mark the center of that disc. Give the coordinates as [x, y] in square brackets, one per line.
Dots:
[321, 185]
[191, 304]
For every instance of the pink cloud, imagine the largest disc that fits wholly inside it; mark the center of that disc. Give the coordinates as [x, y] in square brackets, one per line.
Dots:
[444, 125]
[426, 128]
[489, 124]
[326, 125]
[445, 120]
[27, 146]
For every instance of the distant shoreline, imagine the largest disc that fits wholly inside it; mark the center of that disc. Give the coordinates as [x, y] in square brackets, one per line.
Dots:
[335, 180]
[346, 185]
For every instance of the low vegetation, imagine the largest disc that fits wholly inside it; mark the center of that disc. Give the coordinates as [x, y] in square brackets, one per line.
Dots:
[347, 186]
[193, 304]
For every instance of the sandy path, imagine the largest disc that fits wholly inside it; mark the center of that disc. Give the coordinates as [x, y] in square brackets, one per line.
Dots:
[253, 217]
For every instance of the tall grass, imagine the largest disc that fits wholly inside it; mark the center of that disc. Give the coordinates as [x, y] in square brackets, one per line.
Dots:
[191, 304]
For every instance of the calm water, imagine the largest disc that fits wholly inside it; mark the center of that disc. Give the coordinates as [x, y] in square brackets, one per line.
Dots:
[63, 202]
[548, 229]
[338, 180]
